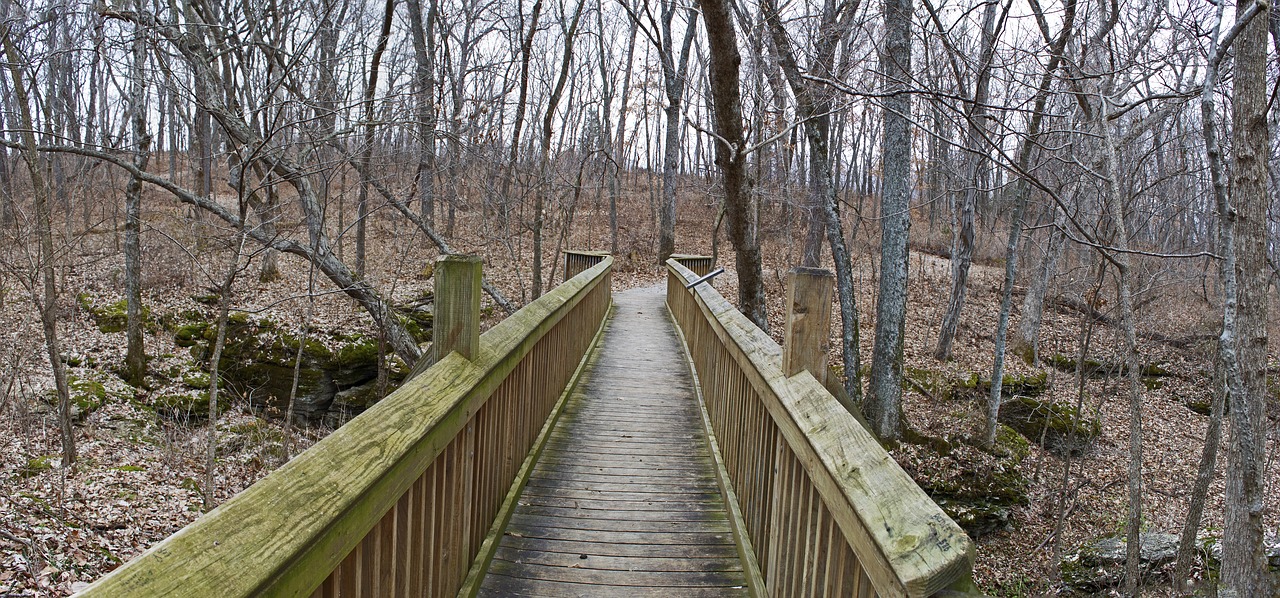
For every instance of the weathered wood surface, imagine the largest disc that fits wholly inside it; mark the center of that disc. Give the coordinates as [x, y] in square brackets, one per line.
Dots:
[828, 511]
[624, 501]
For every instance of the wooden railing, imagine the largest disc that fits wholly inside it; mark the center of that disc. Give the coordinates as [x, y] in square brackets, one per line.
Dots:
[401, 499]
[826, 509]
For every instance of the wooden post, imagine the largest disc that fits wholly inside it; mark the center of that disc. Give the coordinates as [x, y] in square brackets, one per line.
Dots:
[576, 261]
[808, 337]
[700, 264]
[457, 317]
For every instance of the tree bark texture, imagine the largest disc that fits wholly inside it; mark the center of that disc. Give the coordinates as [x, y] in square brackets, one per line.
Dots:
[884, 404]
[135, 359]
[726, 100]
[1243, 561]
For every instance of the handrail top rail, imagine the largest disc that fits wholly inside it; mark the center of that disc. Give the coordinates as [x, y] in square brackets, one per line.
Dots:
[920, 551]
[282, 535]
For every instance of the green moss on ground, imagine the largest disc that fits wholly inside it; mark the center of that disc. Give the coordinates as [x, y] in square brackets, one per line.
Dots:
[111, 317]
[1063, 429]
[977, 489]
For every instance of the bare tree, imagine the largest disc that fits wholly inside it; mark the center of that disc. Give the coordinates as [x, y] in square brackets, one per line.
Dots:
[731, 154]
[1244, 564]
[1021, 189]
[47, 302]
[814, 105]
[884, 405]
[975, 160]
[135, 364]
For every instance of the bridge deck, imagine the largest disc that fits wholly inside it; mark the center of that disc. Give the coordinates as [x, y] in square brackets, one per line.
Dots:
[624, 501]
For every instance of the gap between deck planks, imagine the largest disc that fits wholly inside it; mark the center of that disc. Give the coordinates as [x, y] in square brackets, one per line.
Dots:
[624, 501]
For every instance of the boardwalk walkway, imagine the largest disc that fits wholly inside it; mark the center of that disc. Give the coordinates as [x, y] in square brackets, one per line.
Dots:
[623, 501]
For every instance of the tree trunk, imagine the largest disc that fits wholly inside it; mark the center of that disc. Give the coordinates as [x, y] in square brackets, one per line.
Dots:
[975, 180]
[1121, 258]
[1015, 225]
[674, 74]
[1244, 564]
[1227, 377]
[1027, 341]
[47, 304]
[813, 106]
[366, 154]
[135, 360]
[884, 409]
[731, 156]
[220, 341]
[424, 53]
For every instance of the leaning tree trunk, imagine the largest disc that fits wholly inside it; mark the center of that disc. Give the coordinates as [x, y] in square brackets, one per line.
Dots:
[1228, 380]
[813, 106]
[975, 175]
[1020, 191]
[366, 154]
[726, 99]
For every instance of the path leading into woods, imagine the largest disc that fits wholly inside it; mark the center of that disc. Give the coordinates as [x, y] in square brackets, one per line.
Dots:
[624, 500]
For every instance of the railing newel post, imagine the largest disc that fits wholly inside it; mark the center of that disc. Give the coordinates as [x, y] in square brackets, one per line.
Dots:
[456, 326]
[808, 333]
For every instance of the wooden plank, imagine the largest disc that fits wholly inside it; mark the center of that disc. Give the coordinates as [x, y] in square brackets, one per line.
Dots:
[580, 547]
[580, 513]
[628, 578]
[626, 478]
[501, 586]
[619, 563]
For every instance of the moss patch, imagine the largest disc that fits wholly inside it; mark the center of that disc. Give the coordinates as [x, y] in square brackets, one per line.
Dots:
[111, 317]
[37, 465]
[261, 356]
[1059, 424]
[188, 406]
[977, 489]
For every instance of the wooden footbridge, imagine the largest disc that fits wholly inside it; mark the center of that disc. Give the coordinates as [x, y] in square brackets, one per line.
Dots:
[648, 444]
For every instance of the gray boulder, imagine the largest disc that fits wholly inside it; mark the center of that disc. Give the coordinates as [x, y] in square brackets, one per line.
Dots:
[1100, 564]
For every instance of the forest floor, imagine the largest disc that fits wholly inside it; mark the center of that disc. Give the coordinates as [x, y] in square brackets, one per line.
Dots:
[140, 473]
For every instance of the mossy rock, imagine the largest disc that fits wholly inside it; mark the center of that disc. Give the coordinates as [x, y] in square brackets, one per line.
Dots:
[189, 406]
[1055, 422]
[1093, 368]
[187, 335]
[933, 383]
[974, 385]
[259, 359]
[86, 394]
[976, 488]
[196, 379]
[1100, 564]
[1029, 385]
[112, 317]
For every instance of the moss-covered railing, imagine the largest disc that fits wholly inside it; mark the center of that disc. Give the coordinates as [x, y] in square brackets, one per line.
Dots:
[400, 500]
[827, 511]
